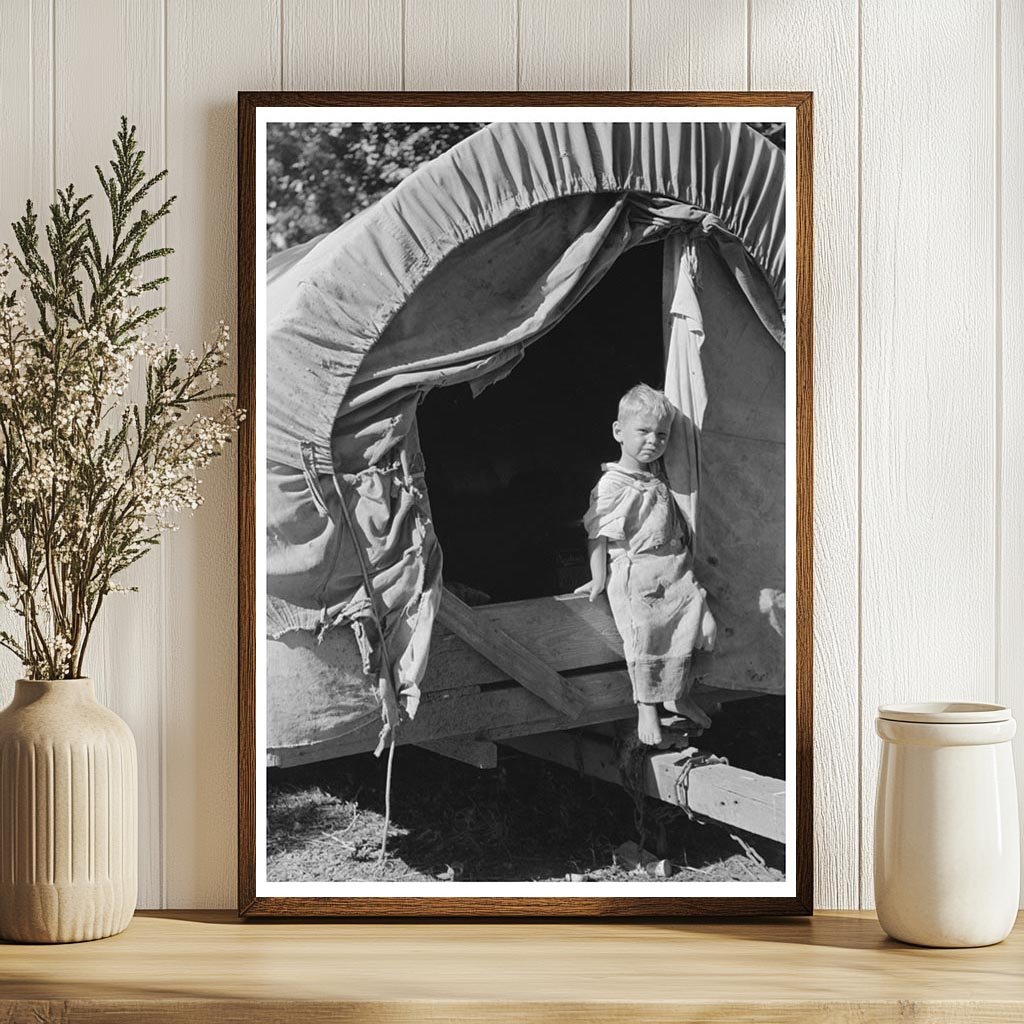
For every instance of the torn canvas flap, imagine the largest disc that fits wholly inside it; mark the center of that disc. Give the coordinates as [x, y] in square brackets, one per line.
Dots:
[388, 536]
[684, 376]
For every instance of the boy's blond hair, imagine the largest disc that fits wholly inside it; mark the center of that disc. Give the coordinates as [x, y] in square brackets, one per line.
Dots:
[644, 398]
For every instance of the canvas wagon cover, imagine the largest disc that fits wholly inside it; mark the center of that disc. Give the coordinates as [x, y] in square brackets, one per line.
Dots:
[448, 279]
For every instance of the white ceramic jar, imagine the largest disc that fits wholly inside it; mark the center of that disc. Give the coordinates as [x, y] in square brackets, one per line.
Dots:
[947, 847]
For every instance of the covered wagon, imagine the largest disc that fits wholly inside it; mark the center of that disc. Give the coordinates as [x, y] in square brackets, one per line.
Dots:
[442, 371]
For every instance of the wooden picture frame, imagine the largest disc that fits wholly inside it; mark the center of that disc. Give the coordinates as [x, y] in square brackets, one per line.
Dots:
[255, 897]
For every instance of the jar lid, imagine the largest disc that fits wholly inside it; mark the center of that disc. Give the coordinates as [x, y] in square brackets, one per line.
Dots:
[945, 713]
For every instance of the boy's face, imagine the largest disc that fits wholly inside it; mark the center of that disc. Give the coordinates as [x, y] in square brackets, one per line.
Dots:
[643, 436]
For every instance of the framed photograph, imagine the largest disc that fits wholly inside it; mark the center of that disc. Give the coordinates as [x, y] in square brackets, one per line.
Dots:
[525, 504]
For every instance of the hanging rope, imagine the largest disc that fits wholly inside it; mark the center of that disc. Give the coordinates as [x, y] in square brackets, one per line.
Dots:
[698, 760]
[386, 682]
[387, 803]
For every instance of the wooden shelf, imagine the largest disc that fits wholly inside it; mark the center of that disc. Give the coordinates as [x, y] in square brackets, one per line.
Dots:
[208, 966]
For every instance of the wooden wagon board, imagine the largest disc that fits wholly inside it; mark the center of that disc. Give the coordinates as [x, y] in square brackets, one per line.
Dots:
[708, 788]
[467, 696]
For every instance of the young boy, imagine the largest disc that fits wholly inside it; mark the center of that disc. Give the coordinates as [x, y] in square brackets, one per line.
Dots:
[639, 546]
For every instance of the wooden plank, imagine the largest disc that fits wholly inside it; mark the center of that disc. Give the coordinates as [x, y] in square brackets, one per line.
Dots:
[126, 656]
[736, 797]
[26, 84]
[477, 753]
[26, 109]
[831, 72]
[719, 792]
[465, 44]
[509, 654]
[490, 714]
[1010, 268]
[211, 968]
[567, 633]
[342, 44]
[708, 696]
[574, 44]
[309, 671]
[928, 514]
[454, 665]
[568, 629]
[710, 699]
[697, 45]
[212, 52]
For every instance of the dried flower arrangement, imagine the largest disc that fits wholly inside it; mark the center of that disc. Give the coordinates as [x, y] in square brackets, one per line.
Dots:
[89, 478]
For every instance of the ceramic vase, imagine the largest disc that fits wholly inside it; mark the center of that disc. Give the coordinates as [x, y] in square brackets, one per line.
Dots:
[947, 847]
[68, 815]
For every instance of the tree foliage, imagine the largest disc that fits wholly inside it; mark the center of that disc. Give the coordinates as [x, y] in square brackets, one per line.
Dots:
[88, 476]
[320, 175]
[775, 131]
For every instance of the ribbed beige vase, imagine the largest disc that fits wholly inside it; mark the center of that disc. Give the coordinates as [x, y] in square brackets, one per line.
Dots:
[68, 815]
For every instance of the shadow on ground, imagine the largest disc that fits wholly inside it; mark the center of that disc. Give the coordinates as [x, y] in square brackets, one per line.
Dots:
[525, 820]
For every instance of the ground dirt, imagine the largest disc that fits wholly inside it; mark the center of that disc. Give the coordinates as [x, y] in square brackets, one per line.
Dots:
[525, 820]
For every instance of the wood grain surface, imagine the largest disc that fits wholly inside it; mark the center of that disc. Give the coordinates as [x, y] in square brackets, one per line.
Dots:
[501, 648]
[831, 72]
[1009, 272]
[201, 967]
[341, 44]
[127, 666]
[230, 45]
[927, 383]
[574, 44]
[701, 44]
[26, 169]
[468, 45]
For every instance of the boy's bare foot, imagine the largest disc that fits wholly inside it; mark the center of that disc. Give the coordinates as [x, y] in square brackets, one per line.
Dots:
[648, 725]
[687, 707]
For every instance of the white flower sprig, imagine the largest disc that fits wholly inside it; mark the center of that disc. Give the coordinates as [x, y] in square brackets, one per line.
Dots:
[89, 478]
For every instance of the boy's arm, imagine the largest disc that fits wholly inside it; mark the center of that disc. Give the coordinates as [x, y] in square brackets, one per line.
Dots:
[597, 549]
[708, 626]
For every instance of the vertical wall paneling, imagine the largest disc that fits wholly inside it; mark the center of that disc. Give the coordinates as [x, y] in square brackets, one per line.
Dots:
[574, 44]
[927, 374]
[124, 654]
[213, 51]
[700, 44]
[919, 454]
[831, 73]
[26, 172]
[342, 44]
[16, 81]
[25, 104]
[460, 44]
[1010, 221]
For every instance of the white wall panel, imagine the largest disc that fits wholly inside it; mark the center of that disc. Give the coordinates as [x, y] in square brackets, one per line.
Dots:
[460, 44]
[1009, 255]
[125, 654]
[778, 61]
[213, 51]
[699, 44]
[26, 102]
[26, 167]
[574, 44]
[342, 44]
[919, 413]
[928, 513]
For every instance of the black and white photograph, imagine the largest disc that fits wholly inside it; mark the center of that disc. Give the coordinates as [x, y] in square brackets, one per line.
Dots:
[525, 491]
